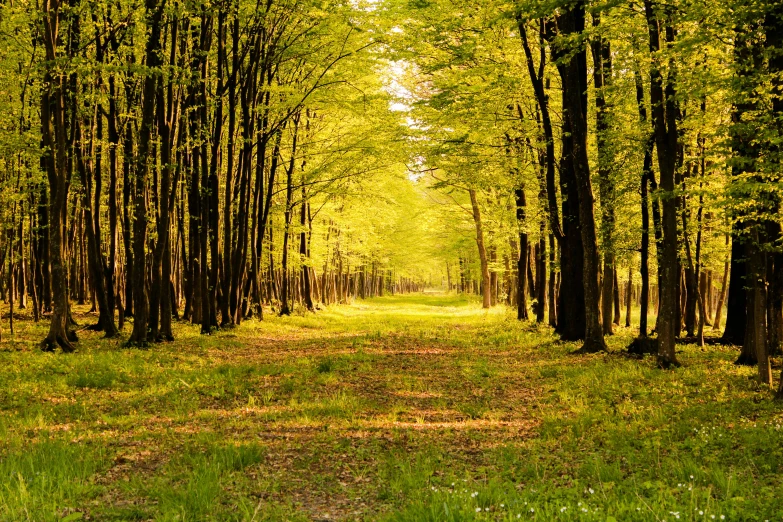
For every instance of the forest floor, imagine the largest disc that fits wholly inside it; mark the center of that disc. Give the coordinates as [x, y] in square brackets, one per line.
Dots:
[408, 408]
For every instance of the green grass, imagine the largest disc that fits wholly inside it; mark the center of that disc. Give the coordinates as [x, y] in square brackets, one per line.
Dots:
[407, 408]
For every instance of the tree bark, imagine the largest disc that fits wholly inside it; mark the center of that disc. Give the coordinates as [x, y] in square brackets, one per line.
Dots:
[574, 75]
[485, 290]
[154, 13]
[53, 123]
[522, 312]
[666, 136]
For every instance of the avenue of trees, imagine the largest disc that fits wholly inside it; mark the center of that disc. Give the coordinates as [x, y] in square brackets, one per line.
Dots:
[195, 160]
[590, 163]
[620, 154]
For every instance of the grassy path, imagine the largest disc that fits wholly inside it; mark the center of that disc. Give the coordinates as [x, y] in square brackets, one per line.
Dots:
[400, 408]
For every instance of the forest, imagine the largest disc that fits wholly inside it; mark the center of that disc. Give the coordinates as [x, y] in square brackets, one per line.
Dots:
[403, 260]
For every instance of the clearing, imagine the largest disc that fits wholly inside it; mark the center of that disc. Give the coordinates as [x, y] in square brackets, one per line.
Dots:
[417, 407]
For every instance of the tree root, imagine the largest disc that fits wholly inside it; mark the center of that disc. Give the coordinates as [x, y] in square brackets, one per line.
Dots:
[746, 360]
[50, 344]
[664, 363]
[590, 347]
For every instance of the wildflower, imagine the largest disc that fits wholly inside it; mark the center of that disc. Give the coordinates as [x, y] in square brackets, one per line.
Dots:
[723, 517]
[478, 510]
[701, 512]
[591, 491]
[562, 509]
[691, 477]
[532, 510]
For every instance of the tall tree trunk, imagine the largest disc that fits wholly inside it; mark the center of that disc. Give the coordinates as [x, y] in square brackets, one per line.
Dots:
[304, 253]
[128, 153]
[154, 13]
[53, 123]
[629, 297]
[541, 289]
[553, 311]
[286, 306]
[756, 329]
[95, 256]
[574, 75]
[602, 67]
[722, 296]
[666, 136]
[485, 290]
[522, 260]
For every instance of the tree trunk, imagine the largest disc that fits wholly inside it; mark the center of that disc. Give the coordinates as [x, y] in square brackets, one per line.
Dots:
[485, 290]
[602, 67]
[522, 260]
[53, 123]
[95, 256]
[629, 297]
[574, 75]
[666, 136]
[755, 342]
[154, 13]
[553, 311]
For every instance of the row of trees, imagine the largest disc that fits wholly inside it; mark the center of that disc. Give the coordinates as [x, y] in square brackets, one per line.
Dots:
[611, 140]
[205, 160]
[197, 160]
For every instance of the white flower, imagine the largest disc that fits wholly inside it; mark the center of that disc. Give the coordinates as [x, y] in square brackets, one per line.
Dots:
[562, 509]
[478, 510]
[591, 491]
[691, 477]
[532, 510]
[723, 517]
[701, 512]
